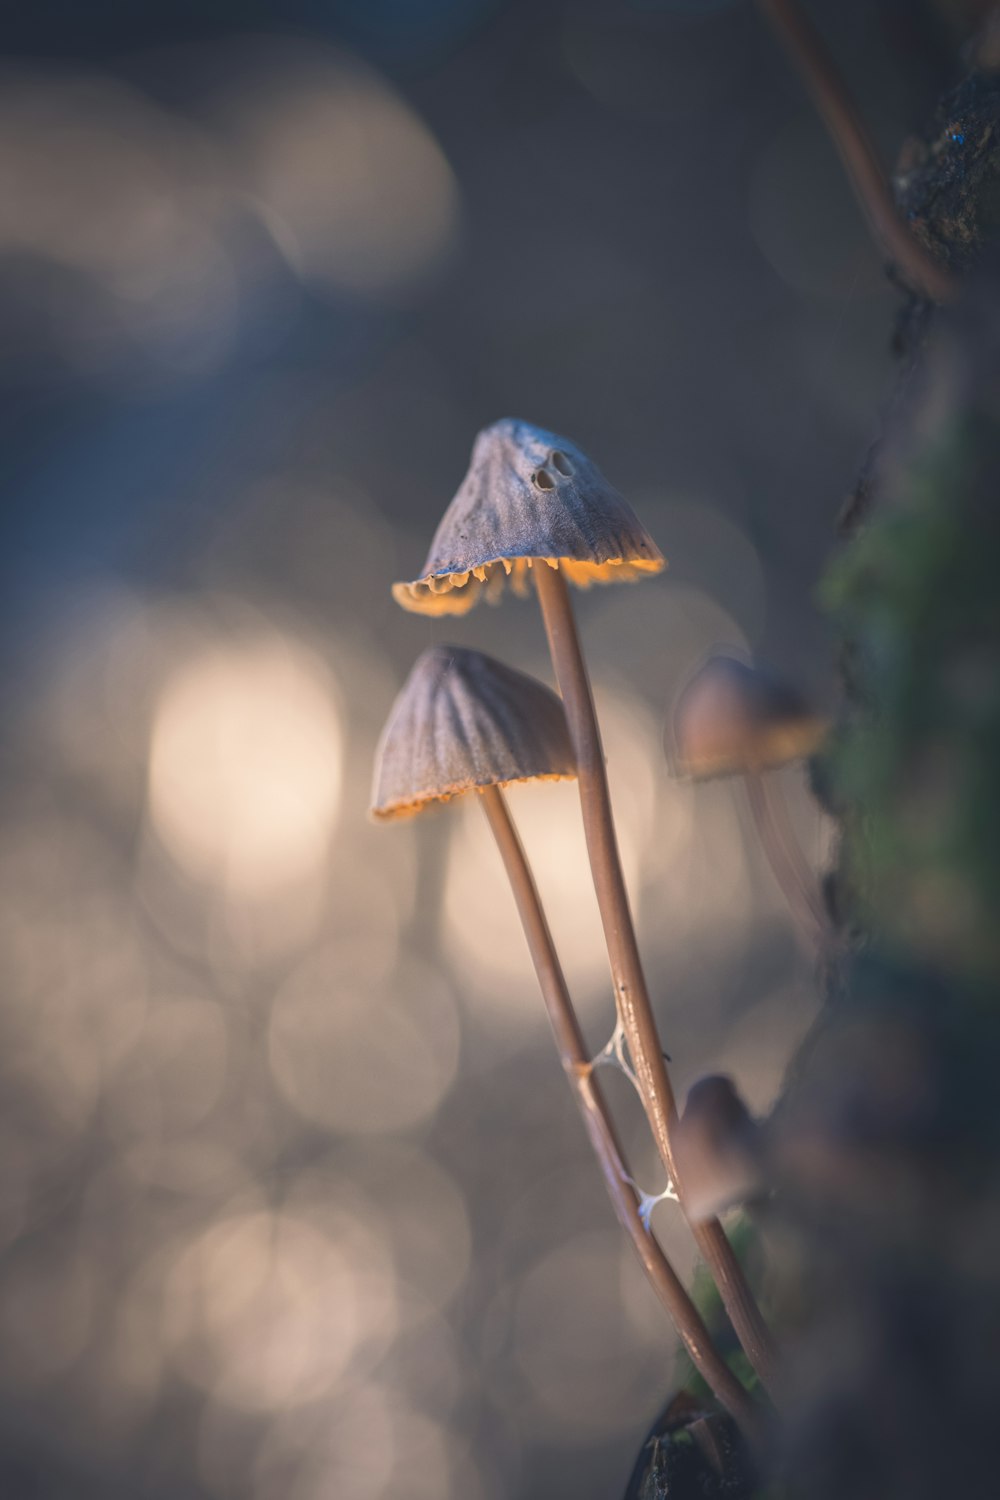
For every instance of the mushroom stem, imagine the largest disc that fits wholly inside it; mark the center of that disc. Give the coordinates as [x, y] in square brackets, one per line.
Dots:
[600, 1127]
[631, 995]
[797, 882]
[821, 78]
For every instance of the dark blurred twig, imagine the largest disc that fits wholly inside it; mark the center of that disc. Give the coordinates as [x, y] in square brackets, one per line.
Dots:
[830, 95]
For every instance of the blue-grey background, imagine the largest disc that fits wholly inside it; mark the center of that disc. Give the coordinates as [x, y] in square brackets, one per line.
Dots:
[292, 1198]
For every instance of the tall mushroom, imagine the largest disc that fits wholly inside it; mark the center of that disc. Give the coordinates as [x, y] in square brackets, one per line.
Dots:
[464, 722]
[533, 504]
[732, 719]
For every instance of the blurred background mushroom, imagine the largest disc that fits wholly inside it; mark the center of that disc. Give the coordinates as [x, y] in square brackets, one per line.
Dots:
[718, 1148]
[262, 272]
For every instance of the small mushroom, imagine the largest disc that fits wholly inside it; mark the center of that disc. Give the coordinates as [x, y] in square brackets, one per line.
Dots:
[528, 496]
[718, 1150]
[464, 722]
[732, 719]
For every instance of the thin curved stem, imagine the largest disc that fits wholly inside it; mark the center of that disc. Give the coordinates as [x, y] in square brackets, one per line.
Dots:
[797, 882]
[600, 1127]
[631, 995]
[819, 73]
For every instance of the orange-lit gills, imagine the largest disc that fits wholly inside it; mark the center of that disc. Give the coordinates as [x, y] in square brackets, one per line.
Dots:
[462, 721]
[734, 719]
[529, 496]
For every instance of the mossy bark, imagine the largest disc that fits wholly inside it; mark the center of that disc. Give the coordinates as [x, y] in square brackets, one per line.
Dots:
[886, 1140]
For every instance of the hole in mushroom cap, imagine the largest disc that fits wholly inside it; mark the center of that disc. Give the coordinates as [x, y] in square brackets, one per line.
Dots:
[560, 463]
[543, 480]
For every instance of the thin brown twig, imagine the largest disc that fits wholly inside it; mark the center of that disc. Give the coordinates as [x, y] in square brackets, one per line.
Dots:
[631, 995]
[833, 102]
[796, 880]
[600, 1127]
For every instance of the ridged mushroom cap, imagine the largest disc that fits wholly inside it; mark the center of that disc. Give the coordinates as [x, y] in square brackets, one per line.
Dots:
[528, 495]
[732, 718]
[461, 721]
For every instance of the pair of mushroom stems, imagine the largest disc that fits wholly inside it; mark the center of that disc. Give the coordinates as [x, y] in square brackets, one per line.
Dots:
[797, 882]
[580, 1072]
[632, 1002]
[833, 102]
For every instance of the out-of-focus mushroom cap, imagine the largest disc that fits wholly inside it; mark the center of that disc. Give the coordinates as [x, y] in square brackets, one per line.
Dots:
[528, 496]
[717, 1149]
[732, 718]
[461, 721]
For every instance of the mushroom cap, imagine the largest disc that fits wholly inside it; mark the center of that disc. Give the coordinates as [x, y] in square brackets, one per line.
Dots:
[528, 495]
[461, 721]
[717, 1149]
[732, 718]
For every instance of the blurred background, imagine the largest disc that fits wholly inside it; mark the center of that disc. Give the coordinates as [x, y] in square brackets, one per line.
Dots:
[293, 1199]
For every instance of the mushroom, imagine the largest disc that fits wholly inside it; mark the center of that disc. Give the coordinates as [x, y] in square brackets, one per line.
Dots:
[532, 501]
[732, 719]
[528, 495]
[464, 722]
[717, 1146]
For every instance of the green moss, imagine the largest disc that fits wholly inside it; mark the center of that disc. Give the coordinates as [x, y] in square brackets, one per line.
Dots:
[745, 1240]
[913, 769]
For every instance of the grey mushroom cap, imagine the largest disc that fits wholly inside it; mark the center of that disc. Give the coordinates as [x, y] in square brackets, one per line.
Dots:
[529, 497]
[732, 718]
[463, 720]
